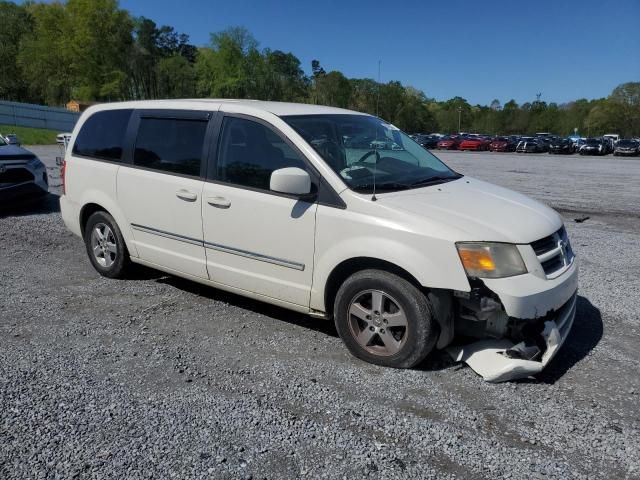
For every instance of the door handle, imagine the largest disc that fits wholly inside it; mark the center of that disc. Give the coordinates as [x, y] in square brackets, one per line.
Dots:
[186, 195]
[219, 202]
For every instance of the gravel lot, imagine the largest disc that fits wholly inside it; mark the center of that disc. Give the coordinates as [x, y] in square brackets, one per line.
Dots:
[159, 377]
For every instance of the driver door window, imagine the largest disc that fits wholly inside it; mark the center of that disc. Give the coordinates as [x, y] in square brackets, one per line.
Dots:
[250, 152]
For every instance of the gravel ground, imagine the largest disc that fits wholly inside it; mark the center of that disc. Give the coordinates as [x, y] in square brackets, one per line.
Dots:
[159, 377]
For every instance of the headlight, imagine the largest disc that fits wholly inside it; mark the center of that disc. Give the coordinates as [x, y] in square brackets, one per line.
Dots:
[490, 260]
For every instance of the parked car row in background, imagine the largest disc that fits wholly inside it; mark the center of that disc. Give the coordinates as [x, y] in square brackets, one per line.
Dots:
[538, 143]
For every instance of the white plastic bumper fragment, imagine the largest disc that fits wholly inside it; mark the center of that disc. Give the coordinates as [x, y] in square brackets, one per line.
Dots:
[487, 357]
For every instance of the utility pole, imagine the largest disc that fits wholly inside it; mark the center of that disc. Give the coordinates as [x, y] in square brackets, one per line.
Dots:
[459, 118]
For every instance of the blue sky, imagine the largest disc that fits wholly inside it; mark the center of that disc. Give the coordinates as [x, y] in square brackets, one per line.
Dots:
[480, 50]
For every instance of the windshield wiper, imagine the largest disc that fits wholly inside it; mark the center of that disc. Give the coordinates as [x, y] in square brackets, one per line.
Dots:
[434, 180]
[405, 186]
[382, 186]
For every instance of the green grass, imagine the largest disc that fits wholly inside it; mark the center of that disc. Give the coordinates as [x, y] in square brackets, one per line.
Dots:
[31, 136]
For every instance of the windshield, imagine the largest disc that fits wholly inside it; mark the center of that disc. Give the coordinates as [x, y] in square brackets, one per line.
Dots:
[366, 151]
[593, 141]
[2, 142]
[627, 143]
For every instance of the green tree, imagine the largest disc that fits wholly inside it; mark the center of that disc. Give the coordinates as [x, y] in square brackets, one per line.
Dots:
[452, 111]
[625, 99]
[142, 59]
[573, 115]
[176, 77]
[333, 89]
[392, 99]
[415, 117]
[205, 66]
[15, 22]
[101, 37]
[78, 49]
[46, 55]
[287, 81]
[226, 66]
[364, 95]
[604, 117]
[93, 50]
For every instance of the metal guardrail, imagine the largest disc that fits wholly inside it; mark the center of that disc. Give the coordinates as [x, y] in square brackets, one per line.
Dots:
[37, 116]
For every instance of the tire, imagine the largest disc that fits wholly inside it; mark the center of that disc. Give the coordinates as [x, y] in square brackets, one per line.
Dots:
[403, 345]
[105, 246]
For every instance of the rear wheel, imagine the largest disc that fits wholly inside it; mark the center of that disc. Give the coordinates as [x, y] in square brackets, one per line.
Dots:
[105, 246]
[384, 319]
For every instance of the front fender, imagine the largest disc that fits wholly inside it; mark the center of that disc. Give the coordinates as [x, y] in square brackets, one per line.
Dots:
[433, 262]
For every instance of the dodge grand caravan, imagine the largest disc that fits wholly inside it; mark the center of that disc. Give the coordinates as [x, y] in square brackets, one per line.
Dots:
[329, 212]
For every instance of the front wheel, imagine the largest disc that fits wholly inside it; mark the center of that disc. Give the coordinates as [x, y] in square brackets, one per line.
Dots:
[105, 246]
[384, 319]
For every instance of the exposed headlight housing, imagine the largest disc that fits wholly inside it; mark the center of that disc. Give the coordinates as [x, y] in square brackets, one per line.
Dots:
[490, 260]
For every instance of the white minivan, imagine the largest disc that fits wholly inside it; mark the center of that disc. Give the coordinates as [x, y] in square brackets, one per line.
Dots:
[329, 212]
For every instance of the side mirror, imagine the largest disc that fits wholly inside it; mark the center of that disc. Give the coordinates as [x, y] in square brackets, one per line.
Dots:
[291, 180]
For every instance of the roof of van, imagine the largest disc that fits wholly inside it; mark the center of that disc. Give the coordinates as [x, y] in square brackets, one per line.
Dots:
[277, 108]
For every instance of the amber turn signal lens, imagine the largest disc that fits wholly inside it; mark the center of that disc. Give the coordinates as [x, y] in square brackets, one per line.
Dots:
[479, 259]
[490, 260]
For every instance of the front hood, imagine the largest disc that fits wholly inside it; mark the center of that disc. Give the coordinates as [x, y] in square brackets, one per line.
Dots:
[478, 210]
[13, 152]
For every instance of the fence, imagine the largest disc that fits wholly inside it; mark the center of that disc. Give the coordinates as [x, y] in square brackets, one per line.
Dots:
[37, 116]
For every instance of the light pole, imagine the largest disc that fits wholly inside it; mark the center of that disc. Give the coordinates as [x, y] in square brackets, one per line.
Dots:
[459, 118]
[378, 93]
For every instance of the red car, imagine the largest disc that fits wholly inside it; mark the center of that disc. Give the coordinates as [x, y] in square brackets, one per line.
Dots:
[449, 143]
[502, 144]
[474, 143]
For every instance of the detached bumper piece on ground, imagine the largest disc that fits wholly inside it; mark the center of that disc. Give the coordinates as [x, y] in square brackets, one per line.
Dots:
[500, 360]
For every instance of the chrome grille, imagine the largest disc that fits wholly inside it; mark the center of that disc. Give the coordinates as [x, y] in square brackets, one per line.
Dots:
[554, 253]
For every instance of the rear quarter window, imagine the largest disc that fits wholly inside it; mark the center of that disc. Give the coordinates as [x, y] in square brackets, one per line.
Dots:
[102, 135]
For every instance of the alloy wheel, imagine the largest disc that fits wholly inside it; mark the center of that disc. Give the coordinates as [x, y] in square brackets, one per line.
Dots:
[378, 323]
[103, 245]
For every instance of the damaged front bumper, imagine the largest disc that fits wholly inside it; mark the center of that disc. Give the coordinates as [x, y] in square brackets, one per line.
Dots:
[547, 308]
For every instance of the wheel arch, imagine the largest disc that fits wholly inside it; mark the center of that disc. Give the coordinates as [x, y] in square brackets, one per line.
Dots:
[348, 267]
[93, 205]
[441, 299]
[86, 211]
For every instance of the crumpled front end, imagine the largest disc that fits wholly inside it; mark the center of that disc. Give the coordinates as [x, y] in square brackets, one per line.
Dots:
[521, 322]
[500, 360]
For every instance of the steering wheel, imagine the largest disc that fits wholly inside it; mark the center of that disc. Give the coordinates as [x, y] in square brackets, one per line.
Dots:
[368, 154]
